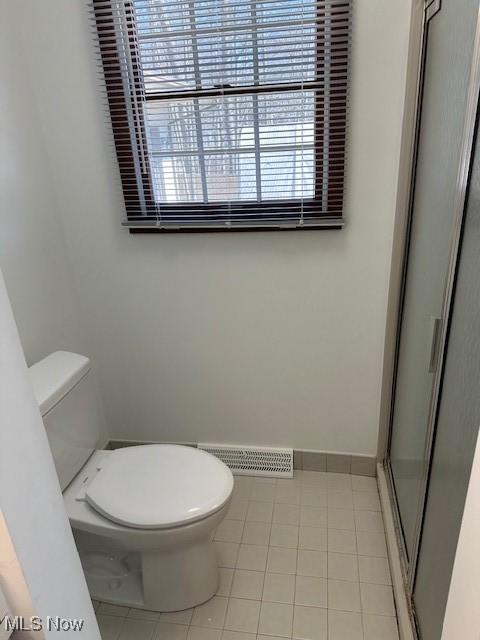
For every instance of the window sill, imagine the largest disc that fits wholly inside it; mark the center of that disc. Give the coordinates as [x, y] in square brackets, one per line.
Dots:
[209, 227]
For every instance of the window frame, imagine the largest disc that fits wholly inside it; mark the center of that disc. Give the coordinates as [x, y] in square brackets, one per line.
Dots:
[130, 136]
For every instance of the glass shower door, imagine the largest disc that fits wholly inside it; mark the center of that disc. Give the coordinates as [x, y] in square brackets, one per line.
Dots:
[449, 46]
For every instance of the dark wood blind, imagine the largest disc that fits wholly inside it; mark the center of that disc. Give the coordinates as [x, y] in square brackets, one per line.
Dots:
[228, 113]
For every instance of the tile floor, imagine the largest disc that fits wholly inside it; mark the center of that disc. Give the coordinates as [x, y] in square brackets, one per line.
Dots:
[304, 558]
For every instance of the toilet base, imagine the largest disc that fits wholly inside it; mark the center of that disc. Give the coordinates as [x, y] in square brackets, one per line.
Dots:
[173, 581]
[166, 570]
[180, 579]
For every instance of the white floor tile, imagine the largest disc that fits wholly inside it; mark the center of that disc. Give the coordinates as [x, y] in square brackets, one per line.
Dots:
[242, 615]
[364, 483]
[239, 494]
[371, 543]
[109, 626]
[341, 519]
[377, 599]
[113, 610]
[339, 481]
[342, 566]
[310, 623]
[225, 581]
[252, 557]
[264, 482]
[279, 588]
[379, 627]
[263, 493]
[312, 496]
[211, 614]
[343, 596]
[289, 482]
[227, 553]
[374, 570]
[312, 563]
[237, 635]
[368, 521]
[366, 501]
[281, 560]
[259, 511]
[136, 629]
[229, 531]
[238, 509]
[243, 486]
[313, 516]
[340, 499]
[168, 631]
[276, 619]
[202, 633]
[247, 584]
[286, 514]
[177, 617]
[313, 538]
[277, 580]
[344, 625]
[284, 535]
[143, 614]
[311, 592]
[288, 493]
[341, 541]
[318, 478]
[256, 533]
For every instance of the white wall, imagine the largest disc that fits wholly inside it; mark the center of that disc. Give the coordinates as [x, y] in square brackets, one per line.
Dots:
[462, 616]
[31, 503]
[37, 576]
[269, 338]
[32, 249]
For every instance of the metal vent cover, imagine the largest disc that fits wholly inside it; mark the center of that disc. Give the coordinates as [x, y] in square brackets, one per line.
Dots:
[253, 461]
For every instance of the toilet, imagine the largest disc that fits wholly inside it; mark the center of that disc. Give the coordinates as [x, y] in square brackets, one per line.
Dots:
[143, 517]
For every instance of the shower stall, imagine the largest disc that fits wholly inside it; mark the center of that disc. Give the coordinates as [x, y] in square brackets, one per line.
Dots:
[433, 411]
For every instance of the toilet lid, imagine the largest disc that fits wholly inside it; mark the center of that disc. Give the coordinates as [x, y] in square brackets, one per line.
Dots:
[159, 486]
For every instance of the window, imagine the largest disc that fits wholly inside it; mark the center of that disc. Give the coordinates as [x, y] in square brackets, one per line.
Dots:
[227, 113]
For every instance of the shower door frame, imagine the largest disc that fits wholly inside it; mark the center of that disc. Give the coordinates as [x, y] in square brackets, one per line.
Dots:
[405, 203]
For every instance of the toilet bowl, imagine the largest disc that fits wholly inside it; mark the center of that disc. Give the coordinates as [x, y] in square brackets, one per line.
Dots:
[143, 516]
[163, 502]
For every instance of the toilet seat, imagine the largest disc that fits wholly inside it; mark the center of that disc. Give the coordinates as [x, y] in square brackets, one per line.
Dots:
[159, 486]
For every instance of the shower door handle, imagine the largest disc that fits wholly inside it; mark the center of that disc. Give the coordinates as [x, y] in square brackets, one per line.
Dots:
[436, 324]
[432, 8]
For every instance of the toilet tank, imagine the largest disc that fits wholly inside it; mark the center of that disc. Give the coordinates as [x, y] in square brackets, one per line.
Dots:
[64, 388]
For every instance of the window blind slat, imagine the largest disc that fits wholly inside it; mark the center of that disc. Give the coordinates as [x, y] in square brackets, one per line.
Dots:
[227, 110]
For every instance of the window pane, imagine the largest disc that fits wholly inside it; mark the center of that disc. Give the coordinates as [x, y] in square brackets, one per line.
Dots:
[219, 14]
[286, 55]
[285, 121]
[224, 42]
[225, 58]
[226, 142]
[231, 176]
[167, 62]
[206, 43]
[227, 123]
[286, 118]
[171, 126]
[167, 65]
[286, 10]
[154, 16]
[177, 179]
[287, 174]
